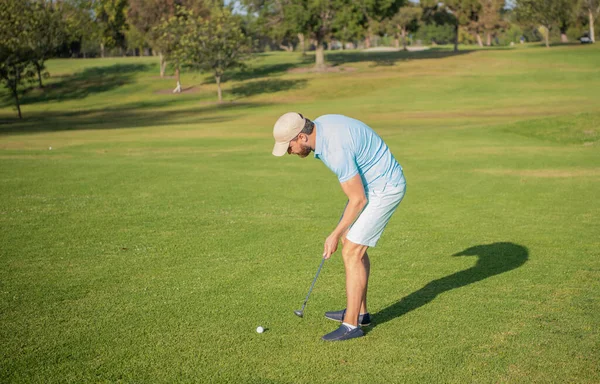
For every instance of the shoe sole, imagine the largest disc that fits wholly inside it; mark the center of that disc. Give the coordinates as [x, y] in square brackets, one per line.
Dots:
[339, 321]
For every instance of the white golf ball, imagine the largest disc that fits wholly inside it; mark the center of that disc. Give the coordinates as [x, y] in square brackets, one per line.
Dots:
[49, 148]
[260, 329]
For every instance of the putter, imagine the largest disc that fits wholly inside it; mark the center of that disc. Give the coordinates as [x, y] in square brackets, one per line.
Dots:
[300, 313]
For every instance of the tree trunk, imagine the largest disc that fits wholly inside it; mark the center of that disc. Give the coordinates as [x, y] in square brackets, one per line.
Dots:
[547, 37]
[591, 18]
[404, 39]
[301, 42]
[163, 65]
[368, 41]
[320, 56]
[18, 106]
[396, 41]
[38, 68]
[102, 50]
[563, 33]
[479, 42]
[488, 39]
[178, 77]
[219, 93]
[456, 36]
[15, 93]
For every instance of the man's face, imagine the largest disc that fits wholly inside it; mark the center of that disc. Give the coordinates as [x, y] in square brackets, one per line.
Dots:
[299, 146]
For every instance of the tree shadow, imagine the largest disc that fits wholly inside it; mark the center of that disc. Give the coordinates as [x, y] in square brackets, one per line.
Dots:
[81, 84]
[258, 72]
[266, 86]
[389, 58]
[132, 115]
[493, 259]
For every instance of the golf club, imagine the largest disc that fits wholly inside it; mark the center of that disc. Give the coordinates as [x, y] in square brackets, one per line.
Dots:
[300, 313]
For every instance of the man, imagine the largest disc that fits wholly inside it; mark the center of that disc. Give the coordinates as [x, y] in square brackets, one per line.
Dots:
[374, 183]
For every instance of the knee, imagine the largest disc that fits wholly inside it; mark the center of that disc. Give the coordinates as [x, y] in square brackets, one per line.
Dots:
[351, 254]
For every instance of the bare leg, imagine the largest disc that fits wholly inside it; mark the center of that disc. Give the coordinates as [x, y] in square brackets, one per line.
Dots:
[367, 264]
[356, 279]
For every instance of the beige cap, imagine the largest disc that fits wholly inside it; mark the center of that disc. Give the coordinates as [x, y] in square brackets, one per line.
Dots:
[286, 128]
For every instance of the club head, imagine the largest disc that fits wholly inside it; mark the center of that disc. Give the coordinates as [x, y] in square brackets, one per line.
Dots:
[299, 313]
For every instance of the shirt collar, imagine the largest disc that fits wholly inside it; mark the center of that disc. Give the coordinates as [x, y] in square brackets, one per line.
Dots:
[318, 139]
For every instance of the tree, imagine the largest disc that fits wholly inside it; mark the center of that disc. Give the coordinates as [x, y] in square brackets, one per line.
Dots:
[319, 22]
[169, 37]
[374, 12]
[546, 13]
[566, 17]
[591, 8]
[145, 15]
[407, 18]
[111, 17]
[490, 18]
[135, 41]
[283, 27]
[82, 32]
[15, 52]
[313, 19]
[48, 33]
[436, 24]
[349, 26]
[216, 44]
[463, 12]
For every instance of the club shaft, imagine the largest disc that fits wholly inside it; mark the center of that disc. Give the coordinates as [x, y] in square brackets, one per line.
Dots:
[313, 284]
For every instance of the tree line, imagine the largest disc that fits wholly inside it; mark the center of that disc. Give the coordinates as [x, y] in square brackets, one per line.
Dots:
[213, 36]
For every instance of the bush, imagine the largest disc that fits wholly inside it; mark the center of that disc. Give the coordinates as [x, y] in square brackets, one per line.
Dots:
[464, 37]
[432, 33]
[513, 34]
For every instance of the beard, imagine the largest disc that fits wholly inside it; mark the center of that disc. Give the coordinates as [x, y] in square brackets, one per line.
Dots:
[304, 151]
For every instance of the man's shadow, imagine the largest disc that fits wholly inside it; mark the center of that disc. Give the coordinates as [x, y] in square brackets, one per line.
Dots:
[493, 259]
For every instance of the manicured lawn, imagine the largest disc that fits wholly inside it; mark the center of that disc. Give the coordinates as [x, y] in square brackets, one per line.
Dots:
[159, 231]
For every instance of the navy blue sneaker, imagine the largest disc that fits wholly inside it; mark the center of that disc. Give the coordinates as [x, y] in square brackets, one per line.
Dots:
[343, 333]
[363, 320]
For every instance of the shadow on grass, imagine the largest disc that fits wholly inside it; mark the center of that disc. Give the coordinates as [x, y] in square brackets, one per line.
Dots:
[389, 58]
[338, 58]
[266, 86]
[81, 84]
[260, 71]
[133, 115]
[493, 259]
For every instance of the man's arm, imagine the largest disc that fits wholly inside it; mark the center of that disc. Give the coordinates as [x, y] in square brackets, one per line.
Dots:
[357, 200]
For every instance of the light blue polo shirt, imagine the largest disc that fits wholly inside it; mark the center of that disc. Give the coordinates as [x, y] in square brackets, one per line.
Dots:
[348, 147]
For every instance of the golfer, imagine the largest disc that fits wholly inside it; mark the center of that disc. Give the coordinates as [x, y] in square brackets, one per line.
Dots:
[373, 181]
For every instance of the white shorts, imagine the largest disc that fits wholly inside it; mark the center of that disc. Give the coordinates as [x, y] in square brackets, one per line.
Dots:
[371, 222]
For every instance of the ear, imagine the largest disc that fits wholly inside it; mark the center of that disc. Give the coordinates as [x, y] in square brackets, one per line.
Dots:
[303, 137]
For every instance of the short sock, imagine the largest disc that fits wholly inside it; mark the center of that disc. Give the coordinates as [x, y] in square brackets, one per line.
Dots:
[350, 326]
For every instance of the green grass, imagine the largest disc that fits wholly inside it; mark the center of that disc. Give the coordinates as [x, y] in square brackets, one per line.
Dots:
[159, 232]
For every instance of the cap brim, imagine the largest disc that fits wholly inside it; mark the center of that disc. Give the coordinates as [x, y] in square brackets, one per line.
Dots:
[280, 149]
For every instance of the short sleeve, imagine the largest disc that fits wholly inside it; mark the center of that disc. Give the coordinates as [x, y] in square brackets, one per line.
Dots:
[343, 164]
